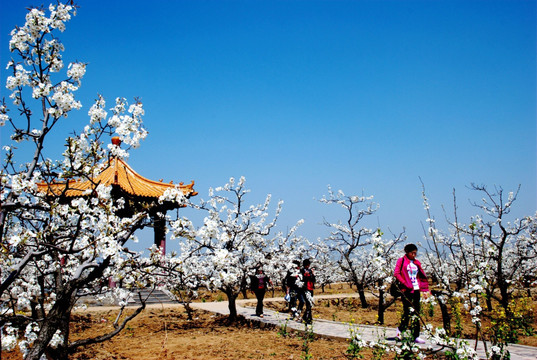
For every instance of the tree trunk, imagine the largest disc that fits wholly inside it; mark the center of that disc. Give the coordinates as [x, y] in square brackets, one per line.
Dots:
[381, 310]
[244, 288]
[58, 318]
[504, 295]
[232, 306]
[189, 310]
[361, 293]
[488, 299]
[446, 316]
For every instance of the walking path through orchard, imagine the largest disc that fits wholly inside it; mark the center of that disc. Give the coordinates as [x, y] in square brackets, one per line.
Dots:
[334, 329]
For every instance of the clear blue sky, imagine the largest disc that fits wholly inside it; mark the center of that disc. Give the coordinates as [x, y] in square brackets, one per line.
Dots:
[367, 96]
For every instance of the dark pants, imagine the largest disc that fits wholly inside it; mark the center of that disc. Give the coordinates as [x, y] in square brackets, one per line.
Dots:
[303, 300]
[300, 298]
[293, 296]
[411, 300]
[260, 295]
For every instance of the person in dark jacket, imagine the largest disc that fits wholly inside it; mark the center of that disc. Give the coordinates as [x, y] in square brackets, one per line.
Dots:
[308, 284]
[413, 281]
[292, 288]
[259, 285]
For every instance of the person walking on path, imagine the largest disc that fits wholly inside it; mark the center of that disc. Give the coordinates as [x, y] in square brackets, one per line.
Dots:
[259, 284]
[292, 289]
[308, 284]
[412, 281]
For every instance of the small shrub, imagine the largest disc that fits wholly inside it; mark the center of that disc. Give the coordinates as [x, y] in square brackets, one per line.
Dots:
[283, 332]
[356, 345]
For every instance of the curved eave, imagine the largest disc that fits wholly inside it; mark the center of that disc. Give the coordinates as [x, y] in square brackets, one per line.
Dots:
[120, 174]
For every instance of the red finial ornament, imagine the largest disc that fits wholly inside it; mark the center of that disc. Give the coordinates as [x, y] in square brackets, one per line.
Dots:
[116, 141]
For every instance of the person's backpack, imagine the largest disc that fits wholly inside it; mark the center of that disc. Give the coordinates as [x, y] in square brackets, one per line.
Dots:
[396, 286]
[253, 282]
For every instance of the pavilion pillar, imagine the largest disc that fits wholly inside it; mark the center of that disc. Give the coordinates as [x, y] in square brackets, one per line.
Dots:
[159, 226]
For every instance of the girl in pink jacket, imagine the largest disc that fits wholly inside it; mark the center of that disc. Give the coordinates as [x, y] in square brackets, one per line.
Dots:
[413, 281]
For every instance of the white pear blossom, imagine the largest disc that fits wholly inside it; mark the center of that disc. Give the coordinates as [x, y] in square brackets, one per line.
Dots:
[76, 71]
[174, 194]
[9, 338]
[21, 78]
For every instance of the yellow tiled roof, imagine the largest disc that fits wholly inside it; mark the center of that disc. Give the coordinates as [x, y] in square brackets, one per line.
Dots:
[116, 173]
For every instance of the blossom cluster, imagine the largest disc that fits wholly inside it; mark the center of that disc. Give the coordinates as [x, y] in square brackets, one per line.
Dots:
[39, 49]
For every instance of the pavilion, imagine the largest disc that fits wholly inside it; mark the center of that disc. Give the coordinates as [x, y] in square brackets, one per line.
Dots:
[137, 191]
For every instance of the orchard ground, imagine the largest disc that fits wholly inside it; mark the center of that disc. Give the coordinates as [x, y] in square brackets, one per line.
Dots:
[163, 332]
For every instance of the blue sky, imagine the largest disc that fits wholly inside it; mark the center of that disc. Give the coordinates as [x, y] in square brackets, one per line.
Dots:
[367, 96]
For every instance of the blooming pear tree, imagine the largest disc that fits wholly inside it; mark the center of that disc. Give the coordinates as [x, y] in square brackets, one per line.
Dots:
[508, 247]
[56, 248]
[234, 240]
[349, 241]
